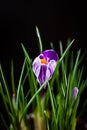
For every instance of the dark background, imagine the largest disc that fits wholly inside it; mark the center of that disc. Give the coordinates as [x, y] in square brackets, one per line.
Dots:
[58, 20]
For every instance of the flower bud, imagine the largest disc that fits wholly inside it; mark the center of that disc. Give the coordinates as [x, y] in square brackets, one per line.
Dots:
[75, 92]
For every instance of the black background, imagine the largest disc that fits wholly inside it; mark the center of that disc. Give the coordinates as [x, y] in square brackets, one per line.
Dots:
[57, 20]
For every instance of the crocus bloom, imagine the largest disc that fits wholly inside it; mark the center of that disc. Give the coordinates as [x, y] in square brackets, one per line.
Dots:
[75, 92]
[44, 65]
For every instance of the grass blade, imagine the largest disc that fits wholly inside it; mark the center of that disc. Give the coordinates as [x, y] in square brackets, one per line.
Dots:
[19, 84]
[39, 39]
[52, 102]
[12, 77]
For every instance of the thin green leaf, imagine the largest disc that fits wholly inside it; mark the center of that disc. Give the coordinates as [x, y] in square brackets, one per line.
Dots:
[12, 77]
[20, 82]
[75, 68]
[85, 52]
[83, 86]
[39, 39]
[4, 97]
[68, 47]
[80, 77]
[63, 64]
[47, 122]
[26, 54]
[52, 102]
[52, 46]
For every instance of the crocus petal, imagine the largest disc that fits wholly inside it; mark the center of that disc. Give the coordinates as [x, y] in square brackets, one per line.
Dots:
[50, 55]
[42, 74]
[36, 66]
[45, 73]
[51, 66]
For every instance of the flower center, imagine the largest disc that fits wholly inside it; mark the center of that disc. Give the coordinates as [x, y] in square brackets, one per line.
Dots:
[43, 61]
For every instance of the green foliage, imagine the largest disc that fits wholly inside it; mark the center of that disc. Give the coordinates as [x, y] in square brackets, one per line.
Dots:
[57, 109]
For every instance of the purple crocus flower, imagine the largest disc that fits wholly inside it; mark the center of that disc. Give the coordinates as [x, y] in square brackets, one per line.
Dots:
[44, 65]
[75, 92]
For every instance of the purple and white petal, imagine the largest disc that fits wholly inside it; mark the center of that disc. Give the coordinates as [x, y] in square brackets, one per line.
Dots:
[42, 74]
[36, 66]
[48, 74]
[52, 65]
[50, 55]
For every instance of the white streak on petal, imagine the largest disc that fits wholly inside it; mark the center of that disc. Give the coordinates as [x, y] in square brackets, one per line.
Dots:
[42, 74]
[48, 74]
[36, 66]
[52, 65]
